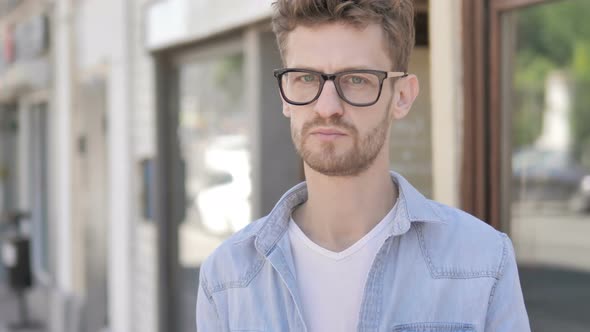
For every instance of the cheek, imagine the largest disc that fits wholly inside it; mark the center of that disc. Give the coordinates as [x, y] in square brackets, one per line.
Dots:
[380, 117]
[295, 124]
[298, 116]
[286, 109]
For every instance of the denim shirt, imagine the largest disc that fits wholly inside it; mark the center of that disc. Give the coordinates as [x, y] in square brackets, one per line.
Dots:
[440, 269]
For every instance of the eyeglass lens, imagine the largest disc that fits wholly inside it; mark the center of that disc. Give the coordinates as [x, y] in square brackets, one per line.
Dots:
[354, 87]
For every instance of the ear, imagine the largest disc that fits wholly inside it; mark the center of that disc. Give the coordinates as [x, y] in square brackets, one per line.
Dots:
[406, 91]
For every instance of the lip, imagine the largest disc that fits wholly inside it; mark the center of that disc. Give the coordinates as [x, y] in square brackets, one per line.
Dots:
[327, 131]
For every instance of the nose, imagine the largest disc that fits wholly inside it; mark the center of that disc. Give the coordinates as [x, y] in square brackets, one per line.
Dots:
[329, 102]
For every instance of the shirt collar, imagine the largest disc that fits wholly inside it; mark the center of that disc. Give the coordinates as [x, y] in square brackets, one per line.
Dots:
[412, 207]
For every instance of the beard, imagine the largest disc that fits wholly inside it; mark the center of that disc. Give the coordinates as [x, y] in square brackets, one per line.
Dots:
[325, 158]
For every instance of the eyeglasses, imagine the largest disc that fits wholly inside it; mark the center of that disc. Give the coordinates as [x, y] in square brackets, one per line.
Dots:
[356, 87]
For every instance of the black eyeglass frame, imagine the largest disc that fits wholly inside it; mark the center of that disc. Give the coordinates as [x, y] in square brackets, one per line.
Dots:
[382, 75]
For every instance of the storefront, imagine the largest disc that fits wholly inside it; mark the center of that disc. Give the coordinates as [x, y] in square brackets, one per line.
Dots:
[25, 84]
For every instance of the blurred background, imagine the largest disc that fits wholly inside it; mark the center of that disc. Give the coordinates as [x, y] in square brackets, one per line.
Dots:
[136, 135]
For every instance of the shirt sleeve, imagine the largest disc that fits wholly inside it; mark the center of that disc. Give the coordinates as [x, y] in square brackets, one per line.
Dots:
[206, 313]
[506, 309]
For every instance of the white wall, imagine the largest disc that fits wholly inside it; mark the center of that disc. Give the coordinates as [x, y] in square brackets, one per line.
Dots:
[102, 41]
[61, 164]
[176, 21]
[144, 267]
[447, 108]
[62, 130]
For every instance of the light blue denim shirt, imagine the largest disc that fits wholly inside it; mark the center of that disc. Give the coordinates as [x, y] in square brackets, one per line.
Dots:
[440, 269]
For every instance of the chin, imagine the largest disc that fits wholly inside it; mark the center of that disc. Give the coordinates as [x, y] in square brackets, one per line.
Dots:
[334, 171]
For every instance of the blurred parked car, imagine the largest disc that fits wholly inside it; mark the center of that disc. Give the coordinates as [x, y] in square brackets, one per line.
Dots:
[545, 175]
[580, 201]
[224, 206]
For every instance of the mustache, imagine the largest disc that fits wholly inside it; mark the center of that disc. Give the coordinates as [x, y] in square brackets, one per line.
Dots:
[334, 122]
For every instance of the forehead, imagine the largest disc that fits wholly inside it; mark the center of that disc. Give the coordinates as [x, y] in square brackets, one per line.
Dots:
[335, 46]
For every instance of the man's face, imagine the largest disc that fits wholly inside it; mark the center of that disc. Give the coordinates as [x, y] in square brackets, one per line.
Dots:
[331, 136]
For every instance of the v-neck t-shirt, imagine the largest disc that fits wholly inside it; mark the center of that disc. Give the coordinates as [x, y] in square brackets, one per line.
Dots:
[331, 284]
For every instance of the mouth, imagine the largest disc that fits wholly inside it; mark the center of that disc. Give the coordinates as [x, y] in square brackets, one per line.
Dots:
[327, 134]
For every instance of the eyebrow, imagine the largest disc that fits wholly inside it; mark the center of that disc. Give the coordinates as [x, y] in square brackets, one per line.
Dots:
[347, 68]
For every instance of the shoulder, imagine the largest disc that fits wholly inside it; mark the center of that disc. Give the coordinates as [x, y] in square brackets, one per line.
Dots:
[234, 262]
[463, 246]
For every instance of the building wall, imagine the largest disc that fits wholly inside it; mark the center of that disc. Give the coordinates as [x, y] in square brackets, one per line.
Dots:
[64, 284]
[410, 142]
[180, 21]
[144, 314]
[25, 82]
[102, 52]
[20, 86]
[447, 107]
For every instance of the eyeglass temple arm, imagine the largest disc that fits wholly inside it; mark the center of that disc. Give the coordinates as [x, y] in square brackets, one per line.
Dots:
[396, 74]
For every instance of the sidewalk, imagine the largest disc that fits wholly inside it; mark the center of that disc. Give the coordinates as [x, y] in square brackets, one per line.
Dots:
[37, 302]
[556, 299]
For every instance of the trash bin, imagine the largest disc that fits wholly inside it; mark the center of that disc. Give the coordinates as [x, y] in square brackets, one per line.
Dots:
[15, 257]
[17, 261]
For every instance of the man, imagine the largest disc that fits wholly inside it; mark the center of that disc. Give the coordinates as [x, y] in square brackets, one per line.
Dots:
[356, 247]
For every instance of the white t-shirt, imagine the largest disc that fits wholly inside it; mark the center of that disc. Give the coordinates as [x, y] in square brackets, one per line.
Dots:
[331, 284]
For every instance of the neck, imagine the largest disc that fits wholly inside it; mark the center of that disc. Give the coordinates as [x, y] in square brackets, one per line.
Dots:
[341, 210]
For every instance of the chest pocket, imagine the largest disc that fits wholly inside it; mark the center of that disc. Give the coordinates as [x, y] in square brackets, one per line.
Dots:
[434, 327]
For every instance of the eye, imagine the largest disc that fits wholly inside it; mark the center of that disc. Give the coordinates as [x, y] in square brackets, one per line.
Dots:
[355, 80]
[307, 78]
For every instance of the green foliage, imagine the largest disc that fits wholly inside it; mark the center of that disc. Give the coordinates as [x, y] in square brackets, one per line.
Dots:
[527, 124]
[551, 30]
[226, 69]
[580, 116]
[529, 96]
[228, 78]
[581, 59]
[551, 37]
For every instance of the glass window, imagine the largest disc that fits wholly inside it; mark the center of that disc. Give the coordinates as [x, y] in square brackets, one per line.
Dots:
[8, 158]
[8, 167]
[215, 152]
[38, 187]
[546, 80]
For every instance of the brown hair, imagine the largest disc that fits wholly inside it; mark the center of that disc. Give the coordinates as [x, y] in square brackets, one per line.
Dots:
[395, 16]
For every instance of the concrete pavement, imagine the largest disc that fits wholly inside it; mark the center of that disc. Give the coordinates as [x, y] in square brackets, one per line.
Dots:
[556, 298]
[37, 302]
